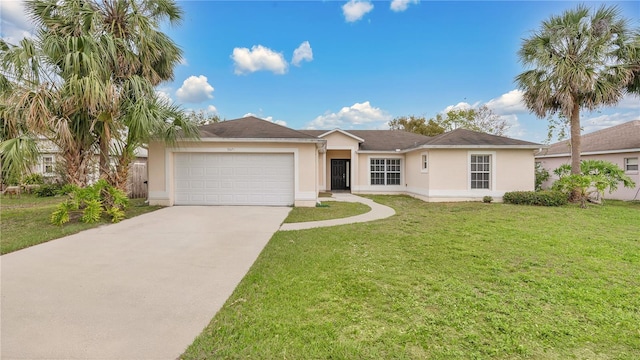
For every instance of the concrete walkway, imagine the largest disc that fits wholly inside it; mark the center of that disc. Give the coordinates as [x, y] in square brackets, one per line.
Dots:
[377, 212]
[140, 289]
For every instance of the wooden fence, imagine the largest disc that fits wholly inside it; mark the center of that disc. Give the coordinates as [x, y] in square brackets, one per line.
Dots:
[138, 179]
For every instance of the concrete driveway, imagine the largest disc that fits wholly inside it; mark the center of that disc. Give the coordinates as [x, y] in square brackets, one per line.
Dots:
[139, 289]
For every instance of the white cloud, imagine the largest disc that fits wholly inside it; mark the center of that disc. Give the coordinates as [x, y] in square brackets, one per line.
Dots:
[268, 118]
[401, 5]
[195, 89]
[303, 52]
[607, 120]
[508, 103]
[354, 10]
[630, 101]
[212, 109]
[258, 58]
[164, 94]
[459, 106]
[14, 23]
[515, 129]
[347, 117]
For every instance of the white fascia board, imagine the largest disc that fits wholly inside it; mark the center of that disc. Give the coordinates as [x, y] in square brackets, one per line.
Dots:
[532, 147]
[383, 151]
[342, 132]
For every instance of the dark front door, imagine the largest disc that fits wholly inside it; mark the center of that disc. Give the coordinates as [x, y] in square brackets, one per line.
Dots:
[340, 174]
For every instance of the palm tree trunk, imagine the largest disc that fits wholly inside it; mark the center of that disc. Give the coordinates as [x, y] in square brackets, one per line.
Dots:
[575, 138]
[575, 149]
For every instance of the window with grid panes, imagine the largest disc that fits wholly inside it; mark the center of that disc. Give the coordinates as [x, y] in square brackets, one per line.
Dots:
[385, 171]
[480, 171]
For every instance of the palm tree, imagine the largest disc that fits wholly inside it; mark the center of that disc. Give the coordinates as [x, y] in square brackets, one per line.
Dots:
[87, 80]
[578, 61]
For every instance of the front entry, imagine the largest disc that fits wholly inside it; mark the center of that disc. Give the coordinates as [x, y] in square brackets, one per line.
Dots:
[340, 177]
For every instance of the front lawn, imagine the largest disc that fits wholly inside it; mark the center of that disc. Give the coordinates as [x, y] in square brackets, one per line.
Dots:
[442, 281]
[25, 221]
[328, 210]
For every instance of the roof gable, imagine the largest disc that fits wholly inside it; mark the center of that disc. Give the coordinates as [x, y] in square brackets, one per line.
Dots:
[250, 128]
[620, 137]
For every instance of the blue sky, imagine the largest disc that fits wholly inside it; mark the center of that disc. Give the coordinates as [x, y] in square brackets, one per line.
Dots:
[359, 64]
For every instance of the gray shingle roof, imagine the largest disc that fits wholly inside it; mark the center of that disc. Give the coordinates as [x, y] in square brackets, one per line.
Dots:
[619, 137]
[381, 140]
[390, 140]
[250, 128]
[374, 140]
[464, 137]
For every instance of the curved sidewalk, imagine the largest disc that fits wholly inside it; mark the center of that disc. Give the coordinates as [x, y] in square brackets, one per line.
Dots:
[377, 212]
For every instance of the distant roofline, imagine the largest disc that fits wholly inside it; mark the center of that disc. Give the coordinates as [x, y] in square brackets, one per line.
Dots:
[601, 152]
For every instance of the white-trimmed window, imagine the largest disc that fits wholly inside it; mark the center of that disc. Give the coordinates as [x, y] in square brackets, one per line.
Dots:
[480, 171]
[47, 164]
[631, 164]
[424, 162]
[385, 171]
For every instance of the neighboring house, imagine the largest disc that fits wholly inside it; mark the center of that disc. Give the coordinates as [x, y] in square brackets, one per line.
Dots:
[618, 144]
[250, 161]
[48, 166]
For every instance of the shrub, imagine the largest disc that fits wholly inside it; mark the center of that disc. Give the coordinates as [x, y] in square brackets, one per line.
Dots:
[94, 202]
[596, 176]
[539, 198]
[47, 190]
[67, 189]
[487, 199]
[34, 179]
[542, 175]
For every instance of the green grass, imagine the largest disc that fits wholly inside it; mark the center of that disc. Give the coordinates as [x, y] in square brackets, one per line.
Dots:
[328, 210]
[25, 221]
[442, 281]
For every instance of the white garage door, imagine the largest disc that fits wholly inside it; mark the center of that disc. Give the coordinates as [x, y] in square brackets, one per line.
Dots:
[233, 179]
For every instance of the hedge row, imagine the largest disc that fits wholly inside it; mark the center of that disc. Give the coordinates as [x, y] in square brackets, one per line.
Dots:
[540, 198]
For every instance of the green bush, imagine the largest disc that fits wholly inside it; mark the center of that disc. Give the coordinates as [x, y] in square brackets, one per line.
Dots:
[542, 175]
[539, 198]
[596, 176]
[34, 179]
[487, 199]
[94, 202]
[67, 189]
[47, 190]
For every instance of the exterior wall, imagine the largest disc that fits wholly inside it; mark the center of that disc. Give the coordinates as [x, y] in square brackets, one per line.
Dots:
[516, 171]
[450, 173]
[552, 163]
[417, 179]
[362, 184]
[339, 146]
[161, 166]
[447, 177]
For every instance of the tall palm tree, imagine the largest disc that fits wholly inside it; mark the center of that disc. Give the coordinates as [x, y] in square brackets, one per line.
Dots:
[578, 61]
[88, 80]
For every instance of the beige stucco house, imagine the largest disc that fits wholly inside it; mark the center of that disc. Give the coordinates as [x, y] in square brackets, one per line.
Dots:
[250, 161]
[618, 144]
